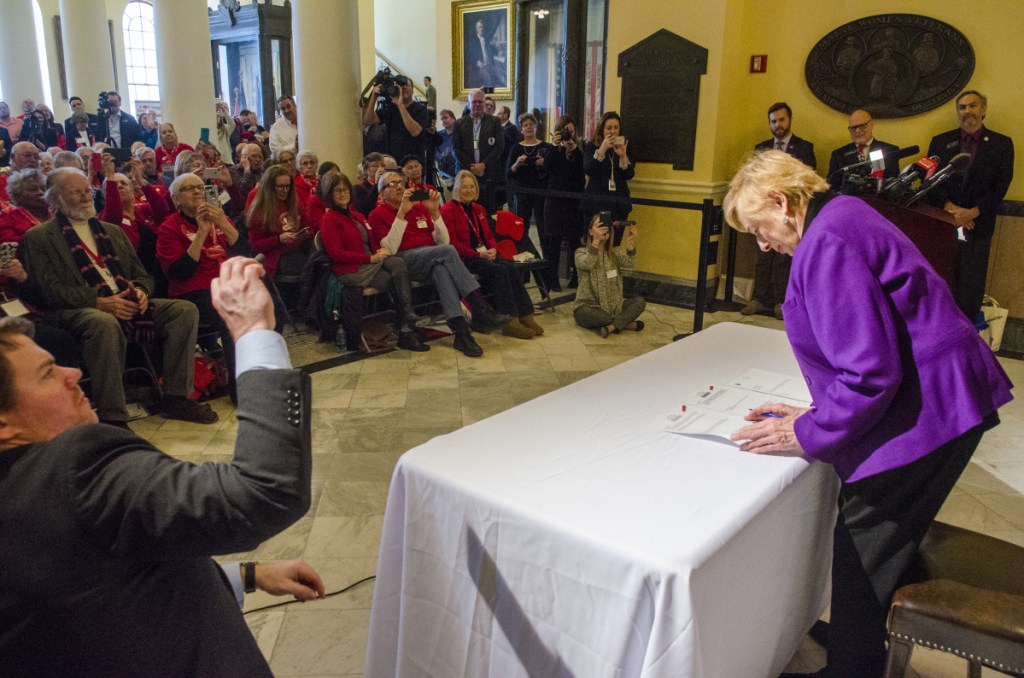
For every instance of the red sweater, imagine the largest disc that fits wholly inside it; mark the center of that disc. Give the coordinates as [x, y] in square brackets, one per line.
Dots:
[165, 157]
[268, 243]
[14, 221]
[418, 233]
[173, 238]
[342, 237]
[457, 221]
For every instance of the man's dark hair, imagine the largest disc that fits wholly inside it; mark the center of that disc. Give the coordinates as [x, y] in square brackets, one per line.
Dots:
[70, 99]
[409, 158]
[428, 78]
[285, 97]
[112, 93]
[448, 111]
[9, 327]
[780, 105]
[371, 157]
[245, 111]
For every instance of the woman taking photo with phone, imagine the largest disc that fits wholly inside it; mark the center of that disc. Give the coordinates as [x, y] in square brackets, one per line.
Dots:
[608, 169]
[599, 302]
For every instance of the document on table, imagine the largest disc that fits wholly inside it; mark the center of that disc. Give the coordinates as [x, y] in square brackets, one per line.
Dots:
[719, 410]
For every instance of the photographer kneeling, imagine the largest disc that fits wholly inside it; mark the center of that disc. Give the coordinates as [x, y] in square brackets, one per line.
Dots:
[599, 302]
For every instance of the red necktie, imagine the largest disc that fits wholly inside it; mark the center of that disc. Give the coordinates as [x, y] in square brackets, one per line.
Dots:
[860, 151]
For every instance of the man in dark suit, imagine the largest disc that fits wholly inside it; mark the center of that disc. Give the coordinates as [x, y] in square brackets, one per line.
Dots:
[479, 144]
[863, 142]
[771, 270]
[974, 197]
[5, 147]
[70, 130]
[120, 130]
[106, 541]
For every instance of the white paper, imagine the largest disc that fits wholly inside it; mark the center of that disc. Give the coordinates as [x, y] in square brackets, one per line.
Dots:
[773, 383]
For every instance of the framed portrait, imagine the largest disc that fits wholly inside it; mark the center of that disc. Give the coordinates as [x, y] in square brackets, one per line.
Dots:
[483, 47]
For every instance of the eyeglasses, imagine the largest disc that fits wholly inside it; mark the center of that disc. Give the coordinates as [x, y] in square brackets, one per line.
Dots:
[859, 128]
[394, 184]
[191, 188]
[282, 187]
[341, 189]
[78, 193]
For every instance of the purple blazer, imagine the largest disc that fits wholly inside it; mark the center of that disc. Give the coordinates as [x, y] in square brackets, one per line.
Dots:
[895, 370]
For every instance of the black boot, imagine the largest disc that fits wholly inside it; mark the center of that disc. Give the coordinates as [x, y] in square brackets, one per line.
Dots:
[464, 340]
[408, 340]
[485, 318]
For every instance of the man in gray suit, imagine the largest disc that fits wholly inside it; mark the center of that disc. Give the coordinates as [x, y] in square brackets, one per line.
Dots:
[91, 283]
[105, 542]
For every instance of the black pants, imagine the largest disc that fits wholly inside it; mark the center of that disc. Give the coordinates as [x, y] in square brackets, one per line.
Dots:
[971, 270]
[501, 280]
[882, 519]
[771, 276]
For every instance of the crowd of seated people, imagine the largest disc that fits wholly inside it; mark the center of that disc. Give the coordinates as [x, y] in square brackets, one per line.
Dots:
[155, 227]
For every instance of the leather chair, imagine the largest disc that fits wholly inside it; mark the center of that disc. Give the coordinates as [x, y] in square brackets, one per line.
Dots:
[969, 600]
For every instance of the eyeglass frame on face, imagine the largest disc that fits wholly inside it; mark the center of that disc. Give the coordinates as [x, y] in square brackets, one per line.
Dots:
[191, 188]
[859, 128]
[282, 187]
[395, 184]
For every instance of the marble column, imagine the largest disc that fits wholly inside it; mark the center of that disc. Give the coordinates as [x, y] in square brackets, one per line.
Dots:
[88, 63]
[326, 53]
[19, 69]
[186, 67]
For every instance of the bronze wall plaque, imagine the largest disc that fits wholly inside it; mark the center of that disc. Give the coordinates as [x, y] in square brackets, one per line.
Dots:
[660, 90]
[895, 65]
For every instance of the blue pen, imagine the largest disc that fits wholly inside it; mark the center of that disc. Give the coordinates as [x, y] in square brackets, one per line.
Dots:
[768, 415]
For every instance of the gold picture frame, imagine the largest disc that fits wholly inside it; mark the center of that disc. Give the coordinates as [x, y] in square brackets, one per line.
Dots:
[483, 47]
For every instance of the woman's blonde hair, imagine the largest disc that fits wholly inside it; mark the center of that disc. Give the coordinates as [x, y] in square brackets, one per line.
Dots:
[765, 173]
[462, 177]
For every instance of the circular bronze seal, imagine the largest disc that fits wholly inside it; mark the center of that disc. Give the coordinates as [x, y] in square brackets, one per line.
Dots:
[894, 65]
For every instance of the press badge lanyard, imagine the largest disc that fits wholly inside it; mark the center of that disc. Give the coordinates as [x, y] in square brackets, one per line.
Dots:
[611, 174]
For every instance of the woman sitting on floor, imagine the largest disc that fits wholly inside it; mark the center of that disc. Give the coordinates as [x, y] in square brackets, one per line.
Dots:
[359, 260]
[472, 236]
[599, 301]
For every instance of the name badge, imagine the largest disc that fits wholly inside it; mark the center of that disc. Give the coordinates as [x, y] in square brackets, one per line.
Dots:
[13, 308]
[611, 184]
[612, 273]
[421, 223]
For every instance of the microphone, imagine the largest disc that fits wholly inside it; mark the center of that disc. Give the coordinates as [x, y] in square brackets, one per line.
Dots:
[957, 164]
[902, 153]
[921, 169]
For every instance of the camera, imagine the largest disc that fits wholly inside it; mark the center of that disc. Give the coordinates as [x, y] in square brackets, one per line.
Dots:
[390, 86]
[102, 105]
[211, 193]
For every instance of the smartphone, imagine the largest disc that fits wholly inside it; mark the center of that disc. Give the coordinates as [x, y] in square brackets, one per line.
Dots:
[211, 173]
[605, 218]
[620, 140]
[204, 135]
[419, 196]
[7, 251]
[212, 194]
[168, 174]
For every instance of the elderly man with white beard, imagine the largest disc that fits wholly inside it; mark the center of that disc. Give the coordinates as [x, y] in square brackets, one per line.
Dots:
[91, 284]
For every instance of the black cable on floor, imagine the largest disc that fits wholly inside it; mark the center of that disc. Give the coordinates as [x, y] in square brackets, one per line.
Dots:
[327, 595]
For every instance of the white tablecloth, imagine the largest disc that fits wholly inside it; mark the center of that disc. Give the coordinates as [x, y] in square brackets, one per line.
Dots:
[569, 537]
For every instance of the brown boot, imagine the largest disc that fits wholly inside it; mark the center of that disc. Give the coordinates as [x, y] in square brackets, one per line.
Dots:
[531, 322]
[518, 330]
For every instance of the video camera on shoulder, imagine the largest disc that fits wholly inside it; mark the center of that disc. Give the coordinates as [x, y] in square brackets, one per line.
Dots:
[390, 86]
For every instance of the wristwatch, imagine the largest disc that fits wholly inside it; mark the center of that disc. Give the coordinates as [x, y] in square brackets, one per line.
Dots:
[249, 576]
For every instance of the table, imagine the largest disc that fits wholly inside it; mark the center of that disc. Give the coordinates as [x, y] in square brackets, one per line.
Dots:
[570, 537]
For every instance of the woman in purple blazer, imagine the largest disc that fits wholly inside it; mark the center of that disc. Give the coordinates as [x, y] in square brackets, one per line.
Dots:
[902, 385]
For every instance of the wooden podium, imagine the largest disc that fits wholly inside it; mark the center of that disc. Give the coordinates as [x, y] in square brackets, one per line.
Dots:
[930, 228]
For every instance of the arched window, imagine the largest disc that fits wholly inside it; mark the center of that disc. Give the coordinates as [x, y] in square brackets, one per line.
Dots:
[140, 56]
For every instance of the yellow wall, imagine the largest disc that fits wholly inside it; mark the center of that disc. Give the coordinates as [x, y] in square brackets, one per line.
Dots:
[732, 113]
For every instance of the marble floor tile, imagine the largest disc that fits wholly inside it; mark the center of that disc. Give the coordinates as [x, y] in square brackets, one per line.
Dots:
[345, 537]
[964, 510]
[352, 498]
[378, 399]
[321, 641]
[383, 381]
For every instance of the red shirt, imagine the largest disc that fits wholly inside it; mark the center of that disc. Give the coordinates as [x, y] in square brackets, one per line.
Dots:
[419, 231]
[459, 226]
[305, 188]
[267, 242]
[14, 222]
[173, 239]
[342, 236]
[167, 157]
